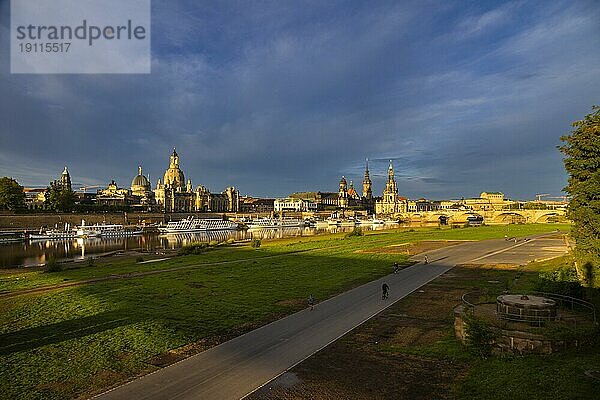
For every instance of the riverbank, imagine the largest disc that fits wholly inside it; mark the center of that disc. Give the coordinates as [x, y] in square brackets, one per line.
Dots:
[79, 340]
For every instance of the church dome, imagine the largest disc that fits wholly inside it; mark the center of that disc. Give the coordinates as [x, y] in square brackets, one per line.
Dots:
[174, 177]
[140, 181]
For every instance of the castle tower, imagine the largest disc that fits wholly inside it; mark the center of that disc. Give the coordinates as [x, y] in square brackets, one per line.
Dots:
[367, 184]
[343, 193]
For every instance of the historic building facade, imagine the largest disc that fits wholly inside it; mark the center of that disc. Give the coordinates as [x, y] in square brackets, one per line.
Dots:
[174, 194]
[142, 189]
[391, 202]
[64, 182]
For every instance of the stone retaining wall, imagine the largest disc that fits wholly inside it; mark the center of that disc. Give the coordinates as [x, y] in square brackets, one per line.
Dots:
[515, 341]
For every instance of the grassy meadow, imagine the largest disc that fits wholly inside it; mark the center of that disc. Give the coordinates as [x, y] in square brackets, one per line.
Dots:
[80, 340]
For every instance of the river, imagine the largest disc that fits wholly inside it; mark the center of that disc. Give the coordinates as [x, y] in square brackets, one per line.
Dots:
[33, 253]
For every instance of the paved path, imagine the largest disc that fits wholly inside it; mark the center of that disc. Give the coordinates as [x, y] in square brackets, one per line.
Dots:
[237, 367]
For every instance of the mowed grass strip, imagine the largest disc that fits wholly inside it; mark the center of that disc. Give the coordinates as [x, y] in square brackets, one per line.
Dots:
[80, 340]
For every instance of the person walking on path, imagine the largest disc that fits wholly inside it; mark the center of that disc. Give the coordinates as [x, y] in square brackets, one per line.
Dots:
[426, 259]
[385, 291]
[396, 267]
[311, 302]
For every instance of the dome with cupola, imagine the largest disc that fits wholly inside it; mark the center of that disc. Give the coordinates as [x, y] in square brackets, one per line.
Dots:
[140, 182]
[174, 176]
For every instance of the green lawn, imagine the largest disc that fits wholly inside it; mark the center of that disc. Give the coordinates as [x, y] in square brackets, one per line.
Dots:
[79, 340]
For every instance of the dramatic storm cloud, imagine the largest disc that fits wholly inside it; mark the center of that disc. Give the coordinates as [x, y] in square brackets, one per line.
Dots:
[276, 97]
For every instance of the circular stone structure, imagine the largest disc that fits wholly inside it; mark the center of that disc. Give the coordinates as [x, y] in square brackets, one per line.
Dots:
[533, 309]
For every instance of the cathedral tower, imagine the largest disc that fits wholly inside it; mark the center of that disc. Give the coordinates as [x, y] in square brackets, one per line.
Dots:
[367, 184]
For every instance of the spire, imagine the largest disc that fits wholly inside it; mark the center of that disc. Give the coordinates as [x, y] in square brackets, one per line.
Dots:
[367, 167]
[65, 171]
[140, 169]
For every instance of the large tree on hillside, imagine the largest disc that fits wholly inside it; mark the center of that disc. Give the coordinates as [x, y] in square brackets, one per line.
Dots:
[12, 197]
[582, 162]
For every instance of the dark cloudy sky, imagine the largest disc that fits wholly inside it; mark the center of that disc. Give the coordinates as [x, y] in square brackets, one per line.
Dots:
[283, 96]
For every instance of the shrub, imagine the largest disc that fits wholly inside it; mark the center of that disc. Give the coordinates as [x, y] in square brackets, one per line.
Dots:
[255, 243]
[90, 262]
[52, 265]
[139, 259]
[357, 231]
[479, 336]
[193, 248]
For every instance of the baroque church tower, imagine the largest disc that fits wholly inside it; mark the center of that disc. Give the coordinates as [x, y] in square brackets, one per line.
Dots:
[367, 193]
[391, 203]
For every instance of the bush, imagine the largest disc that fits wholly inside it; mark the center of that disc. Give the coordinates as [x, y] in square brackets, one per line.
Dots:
[52, 265]
[90, 262]
[479, 336]
[193, 248]
[255, 243]
[139, 259]
[357, 231]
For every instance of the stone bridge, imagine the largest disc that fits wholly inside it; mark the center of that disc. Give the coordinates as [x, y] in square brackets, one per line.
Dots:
[489, 217]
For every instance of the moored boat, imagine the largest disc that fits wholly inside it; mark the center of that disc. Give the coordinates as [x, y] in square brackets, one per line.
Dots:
[261, 223]
[7, 237]
[105, 230]
[192, 224]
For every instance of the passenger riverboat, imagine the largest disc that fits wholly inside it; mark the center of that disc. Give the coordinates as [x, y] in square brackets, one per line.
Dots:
[192, 224]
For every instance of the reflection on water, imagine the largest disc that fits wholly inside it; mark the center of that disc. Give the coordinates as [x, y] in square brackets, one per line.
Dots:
[37, 252]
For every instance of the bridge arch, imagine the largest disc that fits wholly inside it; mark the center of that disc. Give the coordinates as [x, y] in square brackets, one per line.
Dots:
[510, 217]
[550, 216]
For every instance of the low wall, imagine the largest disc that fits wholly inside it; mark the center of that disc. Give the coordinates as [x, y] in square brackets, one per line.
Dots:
[515, 341]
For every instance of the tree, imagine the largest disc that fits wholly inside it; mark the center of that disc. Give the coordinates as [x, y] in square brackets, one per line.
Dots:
[60, 198]
[12, 197]
[582, 162]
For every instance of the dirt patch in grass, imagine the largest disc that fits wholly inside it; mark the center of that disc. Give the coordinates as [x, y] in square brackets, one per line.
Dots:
[413, 248]
[292, 302]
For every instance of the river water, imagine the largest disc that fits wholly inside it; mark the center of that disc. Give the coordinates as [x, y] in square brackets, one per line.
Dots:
[33, 253]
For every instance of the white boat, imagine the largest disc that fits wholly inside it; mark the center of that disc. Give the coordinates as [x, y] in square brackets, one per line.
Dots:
[192, 224]
[376, 221]
[333, 222]
[347, 222]
[105, 230]
[52, 234]
[6, 237]
[261, 223]
[56, 233]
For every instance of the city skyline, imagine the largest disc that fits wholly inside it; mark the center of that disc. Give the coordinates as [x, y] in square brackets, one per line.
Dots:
[357, 183]
[282, 98]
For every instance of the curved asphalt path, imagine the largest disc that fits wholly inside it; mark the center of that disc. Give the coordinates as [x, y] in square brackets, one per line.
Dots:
[236, 368]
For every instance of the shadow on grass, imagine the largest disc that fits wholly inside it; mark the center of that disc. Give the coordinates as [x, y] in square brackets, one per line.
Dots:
[28, 339]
